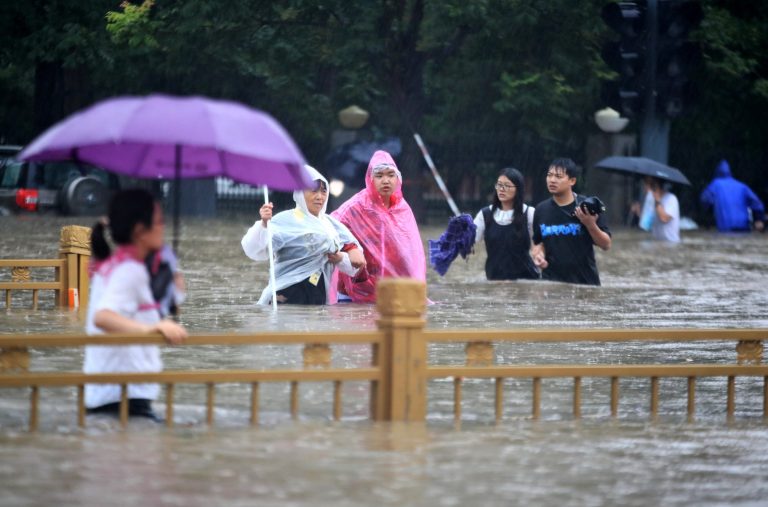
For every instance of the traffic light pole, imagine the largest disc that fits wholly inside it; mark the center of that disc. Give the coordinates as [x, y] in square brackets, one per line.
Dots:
[654, 133]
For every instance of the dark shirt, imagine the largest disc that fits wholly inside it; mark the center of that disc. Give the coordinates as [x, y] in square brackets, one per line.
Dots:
[508, 247]
[568, 245]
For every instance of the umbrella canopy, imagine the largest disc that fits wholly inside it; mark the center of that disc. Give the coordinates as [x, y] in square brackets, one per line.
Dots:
[161, 136]
[644, 167]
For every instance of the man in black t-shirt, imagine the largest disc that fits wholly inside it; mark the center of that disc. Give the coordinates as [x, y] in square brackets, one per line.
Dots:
[563, 232]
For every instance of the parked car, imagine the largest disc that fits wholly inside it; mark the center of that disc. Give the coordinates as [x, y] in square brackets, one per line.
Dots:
[69, 188]
[9, 150]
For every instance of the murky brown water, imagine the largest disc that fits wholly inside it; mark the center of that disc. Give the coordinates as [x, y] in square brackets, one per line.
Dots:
[710, 280]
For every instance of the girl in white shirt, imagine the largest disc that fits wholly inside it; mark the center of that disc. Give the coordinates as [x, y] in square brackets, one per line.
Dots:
[121, 301]
[506, 227]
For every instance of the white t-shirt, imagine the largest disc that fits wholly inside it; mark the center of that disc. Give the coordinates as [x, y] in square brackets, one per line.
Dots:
[121, 285]
[502, 217]
[671, 230]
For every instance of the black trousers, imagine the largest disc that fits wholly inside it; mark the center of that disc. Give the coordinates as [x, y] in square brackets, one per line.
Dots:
[303, 293]
[137, 407]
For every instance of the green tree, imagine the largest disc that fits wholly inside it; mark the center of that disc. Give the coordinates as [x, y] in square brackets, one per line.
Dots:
[487, 83]
[521, 91]
[725, 120]
[51, 49]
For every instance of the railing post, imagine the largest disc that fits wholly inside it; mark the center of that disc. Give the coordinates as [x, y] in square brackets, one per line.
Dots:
[401, 395]
[75, 248]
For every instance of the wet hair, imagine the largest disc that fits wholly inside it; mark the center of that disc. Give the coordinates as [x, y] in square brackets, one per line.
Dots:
[659, 183]
[319, 185]
[126, 209]
[518, 217]
[567, 165]
[384, 166]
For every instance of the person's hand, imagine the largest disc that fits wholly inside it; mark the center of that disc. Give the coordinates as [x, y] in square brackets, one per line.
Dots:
[335, 257]
[173, 333]
[588, 219]
[759, 225]
[178, 281]
[539, 257]
[657, 194]
[265, 212]
[356, 258]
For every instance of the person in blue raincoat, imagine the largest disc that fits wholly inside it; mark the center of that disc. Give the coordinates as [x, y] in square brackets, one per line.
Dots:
[732, 200]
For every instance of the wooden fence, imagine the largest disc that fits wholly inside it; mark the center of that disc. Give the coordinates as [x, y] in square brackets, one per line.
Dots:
[399, 372]
[70, 270]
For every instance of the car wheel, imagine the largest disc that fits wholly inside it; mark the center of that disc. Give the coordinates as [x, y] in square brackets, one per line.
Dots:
[84, 196]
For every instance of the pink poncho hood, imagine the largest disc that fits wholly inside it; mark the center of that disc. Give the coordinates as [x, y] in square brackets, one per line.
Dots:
[389, 236]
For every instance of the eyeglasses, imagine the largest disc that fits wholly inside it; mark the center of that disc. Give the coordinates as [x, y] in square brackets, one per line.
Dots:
[504, 186]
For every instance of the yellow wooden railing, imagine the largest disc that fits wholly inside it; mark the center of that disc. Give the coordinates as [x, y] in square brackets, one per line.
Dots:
[70, 270]
[480, 354]
[399, 374]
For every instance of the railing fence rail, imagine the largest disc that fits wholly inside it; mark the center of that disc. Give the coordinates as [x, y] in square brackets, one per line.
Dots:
[399, 373]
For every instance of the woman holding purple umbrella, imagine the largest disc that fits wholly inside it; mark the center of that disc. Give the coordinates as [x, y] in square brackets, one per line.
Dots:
[308, 247]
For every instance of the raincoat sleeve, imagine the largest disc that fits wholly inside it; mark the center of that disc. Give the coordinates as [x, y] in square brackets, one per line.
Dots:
[346, 238]
[254, 242]
[755, 204]
[707, 197]
[344, 233]
[362, 286]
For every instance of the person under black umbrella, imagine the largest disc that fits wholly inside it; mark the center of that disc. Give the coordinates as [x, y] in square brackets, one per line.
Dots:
[665, 224]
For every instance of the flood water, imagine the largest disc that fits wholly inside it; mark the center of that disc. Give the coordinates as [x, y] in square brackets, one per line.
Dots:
[711, 280]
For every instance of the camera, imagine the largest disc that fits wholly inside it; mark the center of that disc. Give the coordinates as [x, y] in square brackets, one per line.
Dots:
[592, 205]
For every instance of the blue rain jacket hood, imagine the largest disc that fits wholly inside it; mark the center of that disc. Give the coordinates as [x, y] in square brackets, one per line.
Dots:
[731, 200]
[723, 170]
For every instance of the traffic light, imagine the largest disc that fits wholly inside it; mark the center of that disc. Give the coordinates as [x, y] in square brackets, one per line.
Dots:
[676, 56]
[627, 56]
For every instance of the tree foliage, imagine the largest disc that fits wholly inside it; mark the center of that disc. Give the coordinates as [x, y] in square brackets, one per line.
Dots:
[487, 83]
[724, 121]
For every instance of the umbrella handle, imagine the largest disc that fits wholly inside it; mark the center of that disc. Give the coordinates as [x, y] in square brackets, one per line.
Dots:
[272, 279]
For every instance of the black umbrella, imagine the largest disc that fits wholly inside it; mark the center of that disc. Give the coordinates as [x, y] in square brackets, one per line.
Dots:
[644, 167]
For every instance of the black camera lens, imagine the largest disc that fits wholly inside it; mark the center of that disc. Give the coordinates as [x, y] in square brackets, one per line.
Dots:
[592, 205]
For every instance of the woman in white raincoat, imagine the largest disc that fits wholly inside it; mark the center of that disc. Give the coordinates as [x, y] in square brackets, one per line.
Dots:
[308, 246]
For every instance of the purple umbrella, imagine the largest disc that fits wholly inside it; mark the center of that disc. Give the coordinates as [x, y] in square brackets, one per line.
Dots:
[166, 137]
[160, 136]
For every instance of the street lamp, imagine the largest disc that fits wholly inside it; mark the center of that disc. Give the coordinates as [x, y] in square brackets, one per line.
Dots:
[353, 117]
[615, 190]
[610, 121]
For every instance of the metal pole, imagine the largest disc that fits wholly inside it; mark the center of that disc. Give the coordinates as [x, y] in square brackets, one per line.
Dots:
[438, 179]
[176, 198]
[654, 134]
[272, 278]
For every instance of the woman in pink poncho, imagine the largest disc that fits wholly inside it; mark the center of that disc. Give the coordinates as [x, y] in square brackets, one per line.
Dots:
[383, 222]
